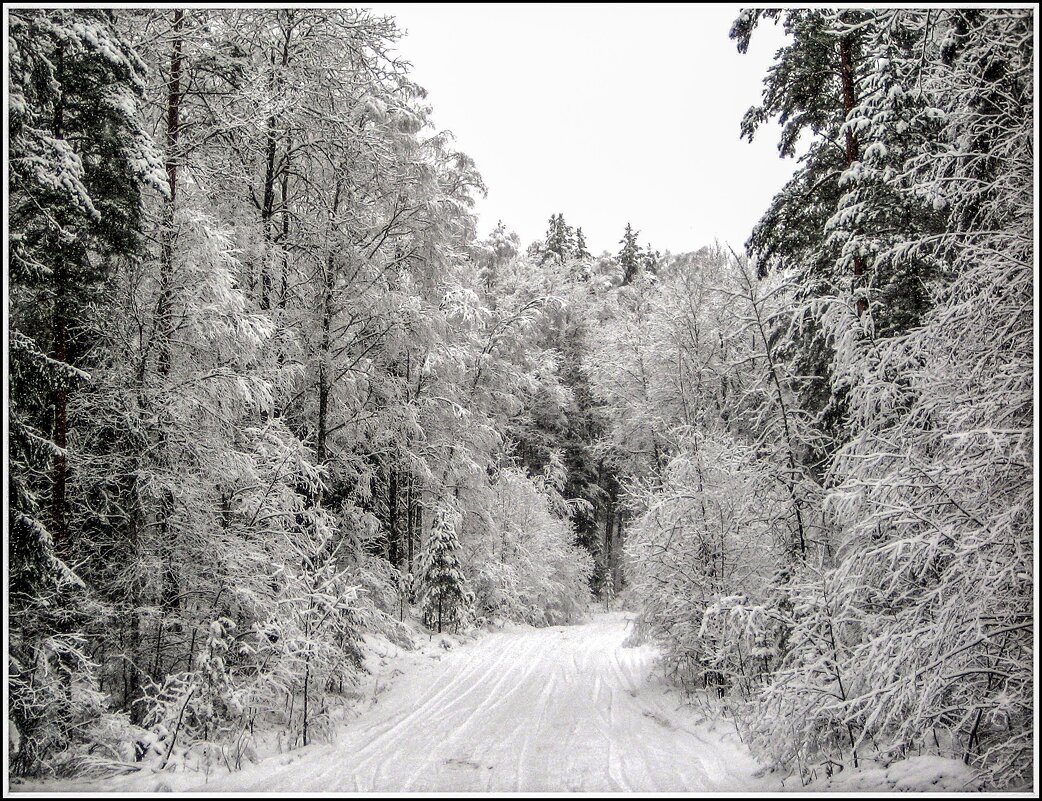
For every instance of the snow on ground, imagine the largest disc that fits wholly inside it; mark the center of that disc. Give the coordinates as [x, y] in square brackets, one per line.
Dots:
[925, 773]
[566, 708]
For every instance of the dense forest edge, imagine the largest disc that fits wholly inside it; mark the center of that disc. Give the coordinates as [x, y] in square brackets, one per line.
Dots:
[270, 393]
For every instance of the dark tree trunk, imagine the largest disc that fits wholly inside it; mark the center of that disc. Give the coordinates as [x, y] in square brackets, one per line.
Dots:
[846, 68]
[328, 280]
[169, 592]
[410, 520]
[268, 204]
[173, 124]
[133, 690]
[60, 399]
[284, 236]
[394, 549]
[307, 682]
[618, 540]
[323, 376]
[60, 349]
[271, 170]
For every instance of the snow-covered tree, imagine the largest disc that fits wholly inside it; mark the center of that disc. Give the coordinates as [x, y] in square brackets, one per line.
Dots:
[629, 255]
[81, 162]
[444, 595]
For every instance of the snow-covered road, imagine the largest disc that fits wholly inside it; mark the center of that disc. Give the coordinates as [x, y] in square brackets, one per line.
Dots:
[557, 709]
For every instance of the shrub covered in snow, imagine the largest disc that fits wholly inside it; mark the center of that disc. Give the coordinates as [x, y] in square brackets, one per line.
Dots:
[524, 564]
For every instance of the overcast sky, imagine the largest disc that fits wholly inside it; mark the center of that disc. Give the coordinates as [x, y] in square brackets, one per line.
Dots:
[607, 113]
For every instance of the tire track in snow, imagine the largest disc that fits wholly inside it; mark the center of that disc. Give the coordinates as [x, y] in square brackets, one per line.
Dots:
[557, 709]
[430, 711]
[487, 702]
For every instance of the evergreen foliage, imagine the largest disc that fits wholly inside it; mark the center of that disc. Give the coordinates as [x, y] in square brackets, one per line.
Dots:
[443, 595]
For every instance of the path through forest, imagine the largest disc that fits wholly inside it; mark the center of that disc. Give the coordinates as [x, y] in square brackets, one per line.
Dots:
[566, 708]
[561, 708]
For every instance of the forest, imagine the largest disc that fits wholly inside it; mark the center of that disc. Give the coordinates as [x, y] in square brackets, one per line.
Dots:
[270, 394]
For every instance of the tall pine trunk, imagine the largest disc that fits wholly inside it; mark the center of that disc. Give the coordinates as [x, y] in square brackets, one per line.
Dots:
[60, 349]
[324, 367]
[170, 590]
[852, 147]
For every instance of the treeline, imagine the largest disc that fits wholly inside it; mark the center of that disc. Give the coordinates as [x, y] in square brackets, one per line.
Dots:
[269, 392]
[827, 447]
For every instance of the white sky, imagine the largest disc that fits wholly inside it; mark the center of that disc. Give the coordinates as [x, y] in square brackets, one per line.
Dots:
[608, 113]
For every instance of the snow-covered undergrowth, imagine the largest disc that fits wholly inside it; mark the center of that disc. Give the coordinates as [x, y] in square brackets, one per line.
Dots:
[918, 774]
[510, 707]
[386, 655]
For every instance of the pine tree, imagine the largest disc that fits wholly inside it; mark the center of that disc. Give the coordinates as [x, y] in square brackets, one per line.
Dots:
[558, 242]
[630, 257]
[843, 85]
[581, 251]
[444, 596]
[810, 89]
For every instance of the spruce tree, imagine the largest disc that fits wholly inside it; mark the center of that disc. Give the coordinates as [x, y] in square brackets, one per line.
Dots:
[79, 159]
[444, 596]
[581, 250]
[558, 242]
[650, 259]
[630, 257]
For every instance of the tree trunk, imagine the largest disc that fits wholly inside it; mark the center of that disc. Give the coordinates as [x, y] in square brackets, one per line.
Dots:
[410, 520]
[169, 591]
[60, 349]
[328, 280]
[133, 690]
[846, 68]
[616, 566]
[166, 266]
[323, 372]
[284, 236]
[271, 171]
[307, 681]
[60, 400]
[268, 203]
[394, 548]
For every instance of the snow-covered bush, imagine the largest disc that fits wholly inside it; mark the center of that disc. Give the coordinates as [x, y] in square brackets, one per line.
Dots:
[798, 715]
[383, 598]
[705, 549]
[55, 701]
[524, 564]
